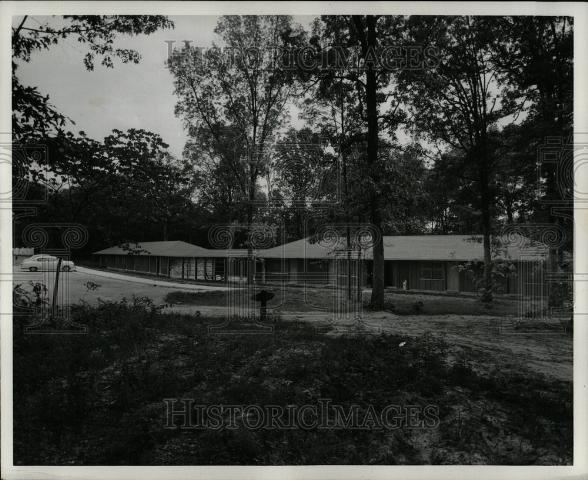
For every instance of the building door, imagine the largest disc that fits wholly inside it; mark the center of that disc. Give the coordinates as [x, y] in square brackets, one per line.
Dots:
[163, 266]
[404, 275]
[452, 277]
[389, 274]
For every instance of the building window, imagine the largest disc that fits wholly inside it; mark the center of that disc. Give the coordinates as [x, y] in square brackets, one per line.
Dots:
[317, 265]
[432, 272]
[432, 276]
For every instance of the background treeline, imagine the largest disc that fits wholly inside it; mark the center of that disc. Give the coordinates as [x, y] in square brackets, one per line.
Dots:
[448, 144]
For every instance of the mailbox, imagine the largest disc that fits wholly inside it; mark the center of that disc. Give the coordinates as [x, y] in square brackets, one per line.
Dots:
[263, 296]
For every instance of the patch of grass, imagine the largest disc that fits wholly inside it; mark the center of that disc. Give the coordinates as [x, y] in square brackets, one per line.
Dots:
[300, 299]
[419, 304]
[213, 298]
[97, 399]
[295, 299]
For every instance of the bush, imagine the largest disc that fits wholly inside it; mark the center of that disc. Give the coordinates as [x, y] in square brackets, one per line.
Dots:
[98, 398]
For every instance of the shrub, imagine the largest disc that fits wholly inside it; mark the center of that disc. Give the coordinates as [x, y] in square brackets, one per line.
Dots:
[98, 398]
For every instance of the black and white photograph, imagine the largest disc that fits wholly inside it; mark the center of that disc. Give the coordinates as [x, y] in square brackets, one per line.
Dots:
[299, 235]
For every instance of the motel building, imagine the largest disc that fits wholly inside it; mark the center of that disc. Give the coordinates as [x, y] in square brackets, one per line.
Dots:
[176, 260]
[416, 262]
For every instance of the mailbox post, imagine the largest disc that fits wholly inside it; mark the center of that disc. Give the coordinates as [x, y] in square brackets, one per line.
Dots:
[263, 296]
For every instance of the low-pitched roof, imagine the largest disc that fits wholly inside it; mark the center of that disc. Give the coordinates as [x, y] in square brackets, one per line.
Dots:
[415, 247]
[410, 247]
[175, 248]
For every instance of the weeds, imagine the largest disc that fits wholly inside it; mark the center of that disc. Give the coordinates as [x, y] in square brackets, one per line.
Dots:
[98, 398]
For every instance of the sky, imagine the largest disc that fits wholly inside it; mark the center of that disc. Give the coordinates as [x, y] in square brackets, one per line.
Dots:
[126, 96]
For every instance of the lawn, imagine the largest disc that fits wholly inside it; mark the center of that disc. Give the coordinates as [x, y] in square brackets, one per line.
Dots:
[311, 298]
[286, 298]
[99, 398]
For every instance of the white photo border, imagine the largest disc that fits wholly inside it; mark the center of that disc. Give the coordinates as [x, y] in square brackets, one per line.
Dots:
[576, 9]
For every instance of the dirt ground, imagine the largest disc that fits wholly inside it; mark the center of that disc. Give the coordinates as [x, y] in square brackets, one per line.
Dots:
[528, 361]
[500, 339]
[487, 342]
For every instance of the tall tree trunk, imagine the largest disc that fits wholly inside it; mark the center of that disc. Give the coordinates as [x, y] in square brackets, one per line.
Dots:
[377, 300]
[348, 226]
[346, 201]
[486, 229]
[487, 294]
[250, 259]
[509, 211]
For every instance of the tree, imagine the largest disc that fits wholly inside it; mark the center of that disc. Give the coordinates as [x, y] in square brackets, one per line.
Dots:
[518, 193]
[331, 107]
[219, 189]
[236, 98]
[353, 49]
[33, 116]
[539, 61]
[461, 101]
[36, 120]
[125, 188]
[303, 174]
[402, 190]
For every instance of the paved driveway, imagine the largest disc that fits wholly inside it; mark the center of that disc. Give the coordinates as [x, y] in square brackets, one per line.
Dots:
[77, 285]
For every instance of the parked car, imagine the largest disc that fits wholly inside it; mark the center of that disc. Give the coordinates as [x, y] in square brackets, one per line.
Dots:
[45, 263]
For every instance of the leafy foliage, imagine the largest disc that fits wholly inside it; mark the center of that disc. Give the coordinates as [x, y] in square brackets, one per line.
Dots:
[232, 101]
[74, 391]
[32, 114]
[125, 188]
